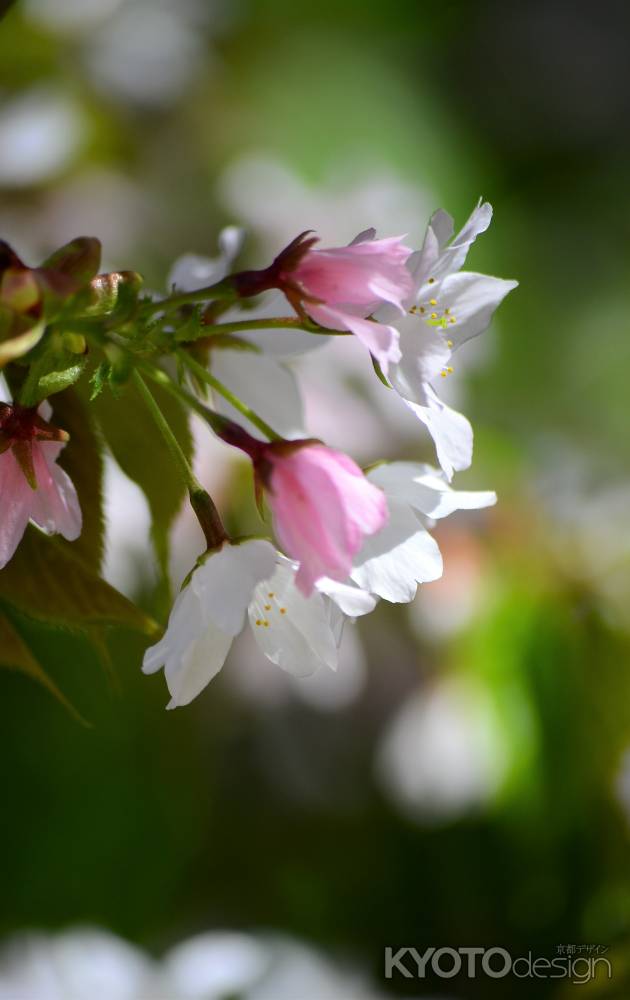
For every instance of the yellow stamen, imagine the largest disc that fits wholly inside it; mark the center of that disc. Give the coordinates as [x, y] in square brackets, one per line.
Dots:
[432, 302]
[449, 343]
[267, 607]
[283, 611]
[433, 315]
[431, 281]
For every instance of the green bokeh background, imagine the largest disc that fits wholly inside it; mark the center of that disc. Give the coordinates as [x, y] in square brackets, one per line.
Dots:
[268, 816]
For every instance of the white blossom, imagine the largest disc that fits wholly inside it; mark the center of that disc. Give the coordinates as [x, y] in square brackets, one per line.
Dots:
[208, 613]
[446, 308]
[301, 634]
[297, 633]
[403, 554]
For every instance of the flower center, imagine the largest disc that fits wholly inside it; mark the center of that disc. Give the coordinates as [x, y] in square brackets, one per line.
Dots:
[264, 622]
[438, 316]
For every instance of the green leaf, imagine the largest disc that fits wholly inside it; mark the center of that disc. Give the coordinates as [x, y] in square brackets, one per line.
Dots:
[99, 378]
[140, 450]
[16, 655]
[54, 367]
[45, 581]
[61, 379]
[82, 459]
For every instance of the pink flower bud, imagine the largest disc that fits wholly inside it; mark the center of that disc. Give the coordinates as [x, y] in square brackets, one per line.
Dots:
[322, 506]
[340, 288]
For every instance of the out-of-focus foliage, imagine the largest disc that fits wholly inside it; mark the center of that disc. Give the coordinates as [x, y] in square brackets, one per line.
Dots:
[463, 780]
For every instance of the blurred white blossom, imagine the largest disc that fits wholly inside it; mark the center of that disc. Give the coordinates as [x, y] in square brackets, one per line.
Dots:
[272, 201]
[92, 964]
[128, 523]
[442, 755]
[70, 15]
[41, 131]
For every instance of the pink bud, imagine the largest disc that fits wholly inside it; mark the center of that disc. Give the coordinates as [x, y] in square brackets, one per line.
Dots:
[322, 506]
[340, 288]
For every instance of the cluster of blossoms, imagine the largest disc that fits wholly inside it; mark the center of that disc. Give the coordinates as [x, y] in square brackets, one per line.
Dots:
[346, 537]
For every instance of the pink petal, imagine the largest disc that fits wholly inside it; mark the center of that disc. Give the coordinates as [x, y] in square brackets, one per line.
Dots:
[15, 496]
[380, 339]
[55, 504]
[323, 507]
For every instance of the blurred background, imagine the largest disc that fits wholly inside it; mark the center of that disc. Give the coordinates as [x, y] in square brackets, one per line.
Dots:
[465, 779]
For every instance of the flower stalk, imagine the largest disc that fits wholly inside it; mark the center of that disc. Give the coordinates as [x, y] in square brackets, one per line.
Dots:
[201, 501]
[206, 376]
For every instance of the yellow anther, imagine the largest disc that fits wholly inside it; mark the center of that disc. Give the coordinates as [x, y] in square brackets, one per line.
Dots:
[422, 309]
[447, 310]
[433, 315]
[449, 369]
[443, 374]
[283, 611]
[431, 281]
[432, 302]
[267, 607]
[259, 621]
[449, 343]
[266, 623]
[452, 320]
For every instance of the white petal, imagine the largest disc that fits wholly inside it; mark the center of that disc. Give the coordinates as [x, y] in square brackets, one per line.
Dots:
[422, 262]
[351, 600]
[186, 623]
[192, 271]
[426, 490]
[264, 384]
[472, 300]
[292, 631]
[192, 651]
[453, 256]
[394, 561]
[443, 226]
[207, 614]
[450, 430]
[225, 581]
[202, 660]
[231, 240]
[424, 355]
